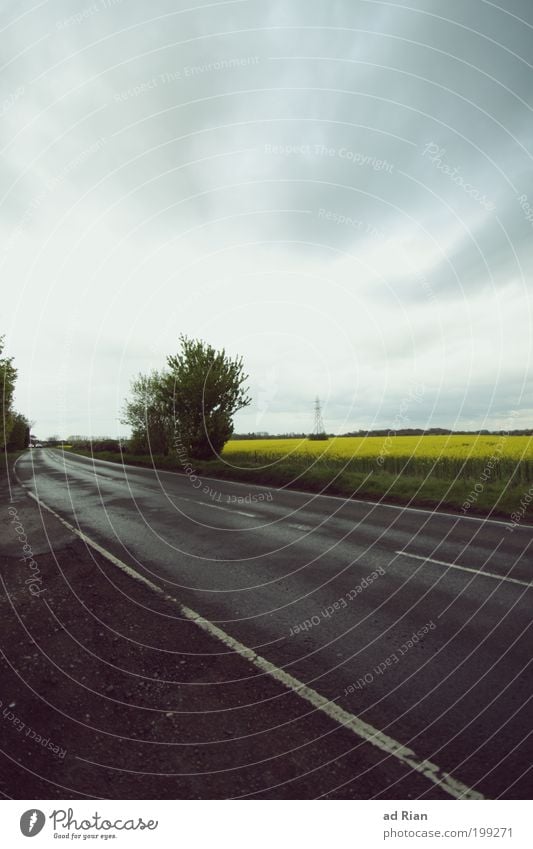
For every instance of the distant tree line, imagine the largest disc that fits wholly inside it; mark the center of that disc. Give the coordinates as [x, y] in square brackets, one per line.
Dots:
[264, 435]
[433, 431]
[15, 432]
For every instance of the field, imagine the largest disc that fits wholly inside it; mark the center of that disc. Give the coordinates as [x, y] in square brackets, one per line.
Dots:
[463, 456]
[455, 446]
[476, 474]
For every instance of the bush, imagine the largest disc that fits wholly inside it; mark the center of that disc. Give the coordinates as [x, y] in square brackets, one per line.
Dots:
[112, 445]
[93, 445]
[19, 437]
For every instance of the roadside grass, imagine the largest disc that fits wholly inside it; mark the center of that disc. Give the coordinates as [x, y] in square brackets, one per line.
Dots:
[431, 486]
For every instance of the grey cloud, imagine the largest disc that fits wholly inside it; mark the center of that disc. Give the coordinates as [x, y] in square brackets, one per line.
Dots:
[157, 123]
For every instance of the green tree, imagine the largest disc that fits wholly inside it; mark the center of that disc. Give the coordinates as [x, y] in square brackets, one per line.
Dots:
[8, 376]
[19, 438]
[202, 391]
[146, 413]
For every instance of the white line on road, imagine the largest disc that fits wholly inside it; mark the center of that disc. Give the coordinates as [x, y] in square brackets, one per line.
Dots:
[226, 509]
[446, 782]
[299, 527]
[467, 569]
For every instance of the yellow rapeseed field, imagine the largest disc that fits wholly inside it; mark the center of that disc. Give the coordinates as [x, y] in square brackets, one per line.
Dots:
[345, 447]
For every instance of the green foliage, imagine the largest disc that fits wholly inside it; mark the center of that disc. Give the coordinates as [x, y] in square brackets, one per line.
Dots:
[187, 410]
[201, 394]
[147, 414]
[19, 438]
[8, 375]
[91, 446]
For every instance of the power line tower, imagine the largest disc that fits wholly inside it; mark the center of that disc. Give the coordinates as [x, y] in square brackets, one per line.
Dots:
[318, 429]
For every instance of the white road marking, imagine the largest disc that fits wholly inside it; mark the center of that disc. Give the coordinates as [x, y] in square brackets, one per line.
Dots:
[446, 782]
[299, 527]
[226, 509]
[205, 504]
[496, 577]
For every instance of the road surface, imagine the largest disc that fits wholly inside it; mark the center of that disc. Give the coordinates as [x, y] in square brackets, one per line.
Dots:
[415, 623]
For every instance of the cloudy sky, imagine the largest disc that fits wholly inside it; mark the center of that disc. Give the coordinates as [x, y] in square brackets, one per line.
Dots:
[339, 191]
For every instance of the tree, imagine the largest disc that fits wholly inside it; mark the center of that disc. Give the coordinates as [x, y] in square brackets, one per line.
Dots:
[8, 375]
[201, 393]
[146, 413]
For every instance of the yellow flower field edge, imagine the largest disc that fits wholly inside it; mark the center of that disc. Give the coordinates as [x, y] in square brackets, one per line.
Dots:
[451, 447]
[473, 475]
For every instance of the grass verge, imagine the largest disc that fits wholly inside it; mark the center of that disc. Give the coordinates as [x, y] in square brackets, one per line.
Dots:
[499, 498]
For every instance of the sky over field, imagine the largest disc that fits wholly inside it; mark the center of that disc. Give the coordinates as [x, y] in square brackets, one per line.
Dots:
[341, 192]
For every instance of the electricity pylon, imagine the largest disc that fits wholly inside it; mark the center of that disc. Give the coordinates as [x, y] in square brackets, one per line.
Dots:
[318, 430]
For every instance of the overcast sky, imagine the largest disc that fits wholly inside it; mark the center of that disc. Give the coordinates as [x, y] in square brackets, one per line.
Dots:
[339, 191]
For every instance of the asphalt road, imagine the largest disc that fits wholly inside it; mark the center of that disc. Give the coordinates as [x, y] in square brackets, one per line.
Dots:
[331, 592]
